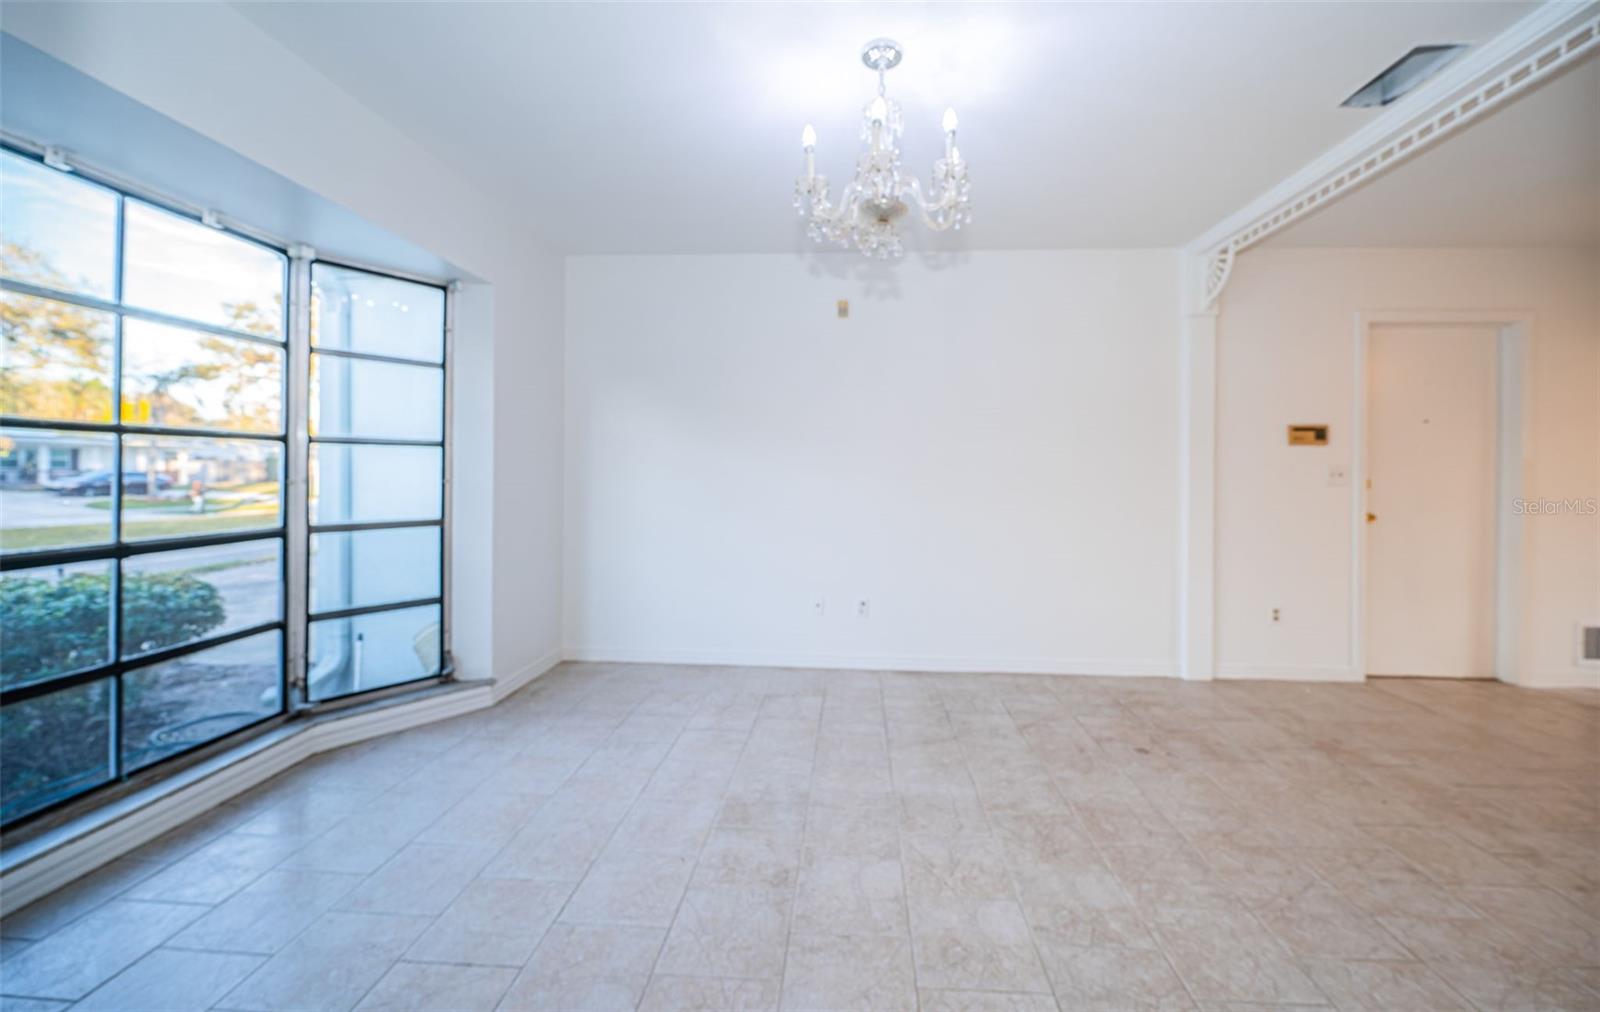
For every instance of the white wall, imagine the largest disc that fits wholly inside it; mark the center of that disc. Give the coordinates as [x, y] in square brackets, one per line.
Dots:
[985, 450]
[1286, 354]
[210, 69]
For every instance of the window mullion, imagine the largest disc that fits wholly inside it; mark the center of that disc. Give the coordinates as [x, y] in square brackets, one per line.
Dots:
[446, 661]
[114, 738]
[297, 500]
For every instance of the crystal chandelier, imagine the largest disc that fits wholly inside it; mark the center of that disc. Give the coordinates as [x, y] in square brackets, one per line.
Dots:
[874, 201]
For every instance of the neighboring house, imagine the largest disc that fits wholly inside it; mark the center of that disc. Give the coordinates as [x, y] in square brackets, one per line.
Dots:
[43, 458]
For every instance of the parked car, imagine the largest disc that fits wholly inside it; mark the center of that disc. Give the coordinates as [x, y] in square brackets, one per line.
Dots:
[99, 483]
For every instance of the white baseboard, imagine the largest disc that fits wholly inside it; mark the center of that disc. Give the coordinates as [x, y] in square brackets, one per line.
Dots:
[1564, 678]
[526, 674]
[40, 866]
[1138, 668]
[1289, 673]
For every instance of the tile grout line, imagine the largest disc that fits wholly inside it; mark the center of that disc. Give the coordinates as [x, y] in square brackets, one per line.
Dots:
[899, 836]
[365, 878]
[1016, 891]
[1155, 935]
[234, 829]
[432, 920]
[699, 852]
[800, 865]
[589, 867]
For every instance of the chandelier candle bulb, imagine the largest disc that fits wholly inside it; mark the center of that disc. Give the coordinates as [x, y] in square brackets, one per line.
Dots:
[869, 208]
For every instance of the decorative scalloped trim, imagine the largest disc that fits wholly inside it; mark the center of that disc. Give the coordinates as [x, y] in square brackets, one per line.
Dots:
[1484, 95]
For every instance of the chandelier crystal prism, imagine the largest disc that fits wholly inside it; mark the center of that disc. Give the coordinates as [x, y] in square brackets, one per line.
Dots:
[869, 210]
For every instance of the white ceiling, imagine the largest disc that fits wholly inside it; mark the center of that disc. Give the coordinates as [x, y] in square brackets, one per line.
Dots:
[655, 128]
[1529, 175]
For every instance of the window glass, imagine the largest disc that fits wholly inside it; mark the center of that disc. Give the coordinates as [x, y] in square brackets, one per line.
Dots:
[357, 569]
[55, 488]
[54, 746]
[182, 268]
[166, 420]
[356, 311]
[181, 486]
[178, 704]
[142, 629]
[192, 379]
[370, 484]
[171, 598]
[55, 360]
[374, 650]
[57, 621]
[60, 230]
[376, 400]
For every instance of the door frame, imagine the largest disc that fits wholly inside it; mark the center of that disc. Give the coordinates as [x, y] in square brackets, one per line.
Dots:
[1513, 454]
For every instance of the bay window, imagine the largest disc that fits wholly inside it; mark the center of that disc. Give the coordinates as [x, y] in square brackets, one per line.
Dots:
[156, 491]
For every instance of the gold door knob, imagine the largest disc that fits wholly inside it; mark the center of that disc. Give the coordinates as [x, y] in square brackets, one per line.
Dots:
[1371, 517]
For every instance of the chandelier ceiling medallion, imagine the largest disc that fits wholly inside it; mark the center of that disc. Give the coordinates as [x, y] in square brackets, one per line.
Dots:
[880, 194]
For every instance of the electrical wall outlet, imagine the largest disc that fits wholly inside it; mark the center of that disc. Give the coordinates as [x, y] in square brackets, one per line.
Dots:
[819, 607]
[1276, 614]
[863, 608]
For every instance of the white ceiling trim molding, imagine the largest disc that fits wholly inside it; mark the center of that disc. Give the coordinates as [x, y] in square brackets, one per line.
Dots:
[1547, 42]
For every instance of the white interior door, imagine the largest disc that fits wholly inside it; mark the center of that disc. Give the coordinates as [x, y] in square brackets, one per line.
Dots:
[1431, 414]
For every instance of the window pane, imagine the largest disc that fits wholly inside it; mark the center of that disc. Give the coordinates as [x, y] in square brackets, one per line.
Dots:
[57, 620]
[184, 702]
[356, 569]
[371, 651]
[170, 598]
[55, 488]
[376, 400]
[191, 379]
[56, 360]
[54, 746]
[179, 486]
[176, 266]
[356, 311]
[60, 231]
[371, 484]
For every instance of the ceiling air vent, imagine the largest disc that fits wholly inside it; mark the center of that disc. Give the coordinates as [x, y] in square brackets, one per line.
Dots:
[1403, 75]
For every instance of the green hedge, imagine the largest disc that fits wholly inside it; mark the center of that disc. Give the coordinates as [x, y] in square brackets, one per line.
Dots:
[55, 745]
[62, 625]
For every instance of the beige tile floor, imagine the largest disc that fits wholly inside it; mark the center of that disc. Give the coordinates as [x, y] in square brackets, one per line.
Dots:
[671, 837]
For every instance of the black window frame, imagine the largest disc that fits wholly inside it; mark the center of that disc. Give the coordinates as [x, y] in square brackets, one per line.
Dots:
[445, 668]
[118, 548]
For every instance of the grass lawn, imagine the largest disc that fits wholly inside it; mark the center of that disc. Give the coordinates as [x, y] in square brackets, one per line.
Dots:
[73, 535]
[215, 503]
[131, 503]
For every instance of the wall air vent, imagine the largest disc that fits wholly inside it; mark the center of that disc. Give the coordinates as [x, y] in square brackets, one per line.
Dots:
[1589, 644]
[1403, 75]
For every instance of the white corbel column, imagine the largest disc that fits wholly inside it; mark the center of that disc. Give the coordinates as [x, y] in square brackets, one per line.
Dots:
[1197, 463]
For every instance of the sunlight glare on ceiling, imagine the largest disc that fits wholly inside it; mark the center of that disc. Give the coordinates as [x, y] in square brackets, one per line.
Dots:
[953, 57]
